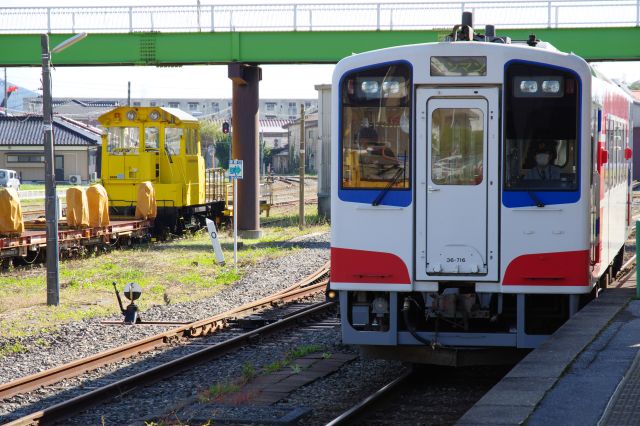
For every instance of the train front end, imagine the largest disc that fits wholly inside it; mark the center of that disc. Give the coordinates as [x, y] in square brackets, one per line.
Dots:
[443, 235]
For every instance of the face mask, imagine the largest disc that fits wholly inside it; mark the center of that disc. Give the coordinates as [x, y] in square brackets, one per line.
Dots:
[542, 159]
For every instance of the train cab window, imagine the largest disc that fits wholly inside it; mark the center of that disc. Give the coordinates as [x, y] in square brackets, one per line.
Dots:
[457, 136]
[375, 129]
[191, 143]
[172, 136]
[123, 140]
[541, 129]
[151, 139]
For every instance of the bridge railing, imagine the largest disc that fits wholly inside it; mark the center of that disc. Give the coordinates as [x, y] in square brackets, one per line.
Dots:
[320, 17]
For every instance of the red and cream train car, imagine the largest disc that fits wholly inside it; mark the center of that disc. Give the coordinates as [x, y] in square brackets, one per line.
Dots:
[480, 191]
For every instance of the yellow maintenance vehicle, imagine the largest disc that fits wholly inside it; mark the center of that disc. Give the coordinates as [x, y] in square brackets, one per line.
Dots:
[162, 146]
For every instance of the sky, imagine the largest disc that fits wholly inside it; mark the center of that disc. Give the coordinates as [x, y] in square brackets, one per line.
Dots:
[278, 81]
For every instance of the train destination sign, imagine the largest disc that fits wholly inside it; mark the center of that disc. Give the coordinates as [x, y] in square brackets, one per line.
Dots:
[458, 66]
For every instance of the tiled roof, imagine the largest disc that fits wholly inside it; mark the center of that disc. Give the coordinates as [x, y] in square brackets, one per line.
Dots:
[27, 130]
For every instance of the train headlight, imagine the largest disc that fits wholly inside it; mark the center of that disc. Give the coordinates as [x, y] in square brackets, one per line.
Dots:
[391, 87]
[370, 87]
[154, 115]
[528, 86]
[551, 86]
[131, 115]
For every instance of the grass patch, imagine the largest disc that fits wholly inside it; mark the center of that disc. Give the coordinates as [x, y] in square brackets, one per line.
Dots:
[13, 348]
[177, 271]
[249, 372]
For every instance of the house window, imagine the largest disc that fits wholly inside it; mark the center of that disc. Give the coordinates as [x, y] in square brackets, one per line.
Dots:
[136, 104]
[174, 104]
[25, 158]
[153, 103]
[215, 106]
[193, 106]
[271, 106]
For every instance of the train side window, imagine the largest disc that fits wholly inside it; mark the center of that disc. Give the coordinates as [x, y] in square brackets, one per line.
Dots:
[375, 134]
[191, 147]
[172, 136]
[457, 136]
[123, 140]
[541, 129]
[151, 139]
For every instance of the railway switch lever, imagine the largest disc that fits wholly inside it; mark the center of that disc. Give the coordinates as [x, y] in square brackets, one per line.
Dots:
[132, 291]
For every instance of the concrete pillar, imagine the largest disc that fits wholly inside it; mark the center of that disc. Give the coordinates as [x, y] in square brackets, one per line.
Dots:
[324, 151]
[244, 115]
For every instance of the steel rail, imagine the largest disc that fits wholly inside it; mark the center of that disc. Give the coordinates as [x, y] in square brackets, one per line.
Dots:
[348, 416]
[66, 409]
[306, 287]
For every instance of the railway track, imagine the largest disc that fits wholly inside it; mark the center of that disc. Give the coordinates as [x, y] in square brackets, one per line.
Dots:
[392, 403]
[312, 285]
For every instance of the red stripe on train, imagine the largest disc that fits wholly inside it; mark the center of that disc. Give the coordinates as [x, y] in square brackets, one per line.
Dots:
[370, 267]
[569, 268]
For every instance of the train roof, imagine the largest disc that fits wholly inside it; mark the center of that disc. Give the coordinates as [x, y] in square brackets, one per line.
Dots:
[142, 112]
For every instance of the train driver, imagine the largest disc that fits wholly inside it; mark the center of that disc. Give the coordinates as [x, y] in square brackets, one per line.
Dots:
[544, 169]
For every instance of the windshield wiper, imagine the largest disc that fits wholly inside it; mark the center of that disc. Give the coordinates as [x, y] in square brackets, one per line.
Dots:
[382, 193]
[535, 199]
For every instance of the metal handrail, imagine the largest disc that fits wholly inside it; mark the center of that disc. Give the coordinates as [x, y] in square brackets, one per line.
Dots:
[372, 16]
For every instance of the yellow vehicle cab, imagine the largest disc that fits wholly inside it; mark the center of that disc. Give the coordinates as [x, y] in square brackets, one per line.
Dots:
[162, 146]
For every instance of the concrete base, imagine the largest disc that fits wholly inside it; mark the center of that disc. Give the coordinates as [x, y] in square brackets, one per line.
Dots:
[251, 234]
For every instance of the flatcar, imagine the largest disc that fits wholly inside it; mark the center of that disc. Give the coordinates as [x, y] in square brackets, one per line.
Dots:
[160, 145]
[480, 192]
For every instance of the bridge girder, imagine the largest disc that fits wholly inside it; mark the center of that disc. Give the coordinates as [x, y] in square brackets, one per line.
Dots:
[166, 49]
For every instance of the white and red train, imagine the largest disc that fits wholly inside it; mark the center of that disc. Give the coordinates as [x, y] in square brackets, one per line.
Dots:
[480, 191]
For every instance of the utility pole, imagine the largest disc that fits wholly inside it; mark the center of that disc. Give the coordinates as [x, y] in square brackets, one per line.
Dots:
[6, 93]
[50, 198]
[50, 204]
[128, 93]
[301, 209]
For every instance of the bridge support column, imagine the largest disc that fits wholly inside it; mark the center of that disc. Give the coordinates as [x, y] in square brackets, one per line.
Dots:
[244, 114]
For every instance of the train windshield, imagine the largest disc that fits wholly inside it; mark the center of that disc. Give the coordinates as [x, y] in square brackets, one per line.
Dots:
[541, 129]
[121, 140]
[376, 126]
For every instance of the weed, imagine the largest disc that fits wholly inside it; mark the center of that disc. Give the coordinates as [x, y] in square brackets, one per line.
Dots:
[13, 348]
[296, 369]
[219, 389]
[304, 350]
[326, 355]
[248, 371]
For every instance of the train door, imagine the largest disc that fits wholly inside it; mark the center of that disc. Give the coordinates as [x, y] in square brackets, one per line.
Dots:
[457, 195]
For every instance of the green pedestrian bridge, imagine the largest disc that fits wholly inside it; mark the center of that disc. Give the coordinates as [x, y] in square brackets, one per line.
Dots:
[597, 30]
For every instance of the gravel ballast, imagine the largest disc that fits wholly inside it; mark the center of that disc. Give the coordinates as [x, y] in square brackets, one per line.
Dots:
[80, 339]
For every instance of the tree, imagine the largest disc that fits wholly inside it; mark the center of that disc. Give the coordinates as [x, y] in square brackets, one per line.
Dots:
[635, 85]
[211, 134]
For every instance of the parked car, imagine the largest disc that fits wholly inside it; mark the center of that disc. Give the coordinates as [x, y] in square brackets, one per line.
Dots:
[9, 179]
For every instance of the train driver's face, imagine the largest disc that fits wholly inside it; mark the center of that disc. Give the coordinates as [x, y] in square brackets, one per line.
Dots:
[542, 159]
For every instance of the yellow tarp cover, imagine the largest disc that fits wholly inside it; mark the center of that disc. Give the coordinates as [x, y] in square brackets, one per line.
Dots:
[11, 223]
[77, 208]
[98, 206]
[146, 207]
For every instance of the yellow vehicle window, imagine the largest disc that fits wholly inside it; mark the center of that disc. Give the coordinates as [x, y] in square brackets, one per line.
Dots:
[151, 139]
[122, 140]
[191, 142]
[172, 137]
